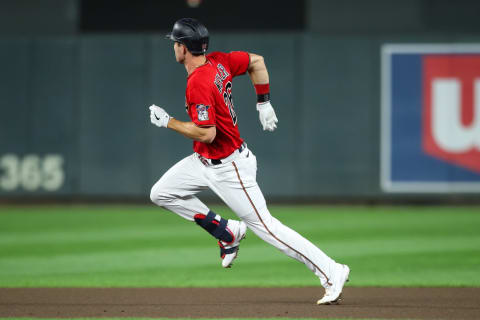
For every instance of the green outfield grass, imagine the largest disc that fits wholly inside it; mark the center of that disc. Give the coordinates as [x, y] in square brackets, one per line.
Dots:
[145, 246]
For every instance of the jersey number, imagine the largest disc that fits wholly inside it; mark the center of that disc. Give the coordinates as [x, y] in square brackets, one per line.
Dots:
[227, 97]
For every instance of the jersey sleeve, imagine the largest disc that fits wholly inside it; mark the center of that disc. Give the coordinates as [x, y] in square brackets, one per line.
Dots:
[239, 61]
[200, 104]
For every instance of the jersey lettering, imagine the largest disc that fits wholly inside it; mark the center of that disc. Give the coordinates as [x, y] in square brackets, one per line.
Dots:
[219, 83]
[227, 97]
[221, 75]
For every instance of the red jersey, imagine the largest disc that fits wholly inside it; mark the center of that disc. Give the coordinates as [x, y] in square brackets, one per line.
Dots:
[209, 101]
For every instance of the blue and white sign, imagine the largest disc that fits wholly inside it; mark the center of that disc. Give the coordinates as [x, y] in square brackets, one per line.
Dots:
[430, 118]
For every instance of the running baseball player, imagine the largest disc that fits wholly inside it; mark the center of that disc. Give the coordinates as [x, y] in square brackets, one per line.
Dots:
[222, 161]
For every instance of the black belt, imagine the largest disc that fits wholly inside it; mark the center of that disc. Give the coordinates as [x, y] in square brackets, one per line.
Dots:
[219, 161]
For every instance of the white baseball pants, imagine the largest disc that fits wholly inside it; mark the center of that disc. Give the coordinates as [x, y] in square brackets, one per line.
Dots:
[234, 181]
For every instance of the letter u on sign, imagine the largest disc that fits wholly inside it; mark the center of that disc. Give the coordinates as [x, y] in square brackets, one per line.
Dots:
[448, 130]
[451, 105]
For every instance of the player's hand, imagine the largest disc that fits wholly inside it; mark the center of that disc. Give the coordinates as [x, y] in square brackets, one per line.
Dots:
[158, 116]
[267, 116]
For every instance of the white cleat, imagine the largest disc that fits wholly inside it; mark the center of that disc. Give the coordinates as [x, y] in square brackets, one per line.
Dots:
[229, 251]
[333, 294]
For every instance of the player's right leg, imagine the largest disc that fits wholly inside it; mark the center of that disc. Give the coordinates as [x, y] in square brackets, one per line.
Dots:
[176, 190]
[240, 191]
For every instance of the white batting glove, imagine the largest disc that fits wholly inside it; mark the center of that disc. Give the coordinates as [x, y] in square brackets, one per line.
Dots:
[267, 116]
[158, 116]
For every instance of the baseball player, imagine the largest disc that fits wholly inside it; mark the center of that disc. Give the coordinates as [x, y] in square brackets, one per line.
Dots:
[222, 161]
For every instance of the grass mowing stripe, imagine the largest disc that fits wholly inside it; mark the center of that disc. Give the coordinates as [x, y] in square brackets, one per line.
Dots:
[386, 273]
[97, 242]
[100, 257]
[105, 261]
[132, 233]
[158, 255]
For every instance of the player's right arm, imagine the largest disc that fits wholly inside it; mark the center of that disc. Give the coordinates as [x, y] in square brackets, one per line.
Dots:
[257, 70]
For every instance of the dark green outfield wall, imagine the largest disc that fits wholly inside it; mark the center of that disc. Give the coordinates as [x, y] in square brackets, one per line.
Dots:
[74, 113]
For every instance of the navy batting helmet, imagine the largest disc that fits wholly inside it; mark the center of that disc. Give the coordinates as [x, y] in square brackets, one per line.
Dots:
[192, 33]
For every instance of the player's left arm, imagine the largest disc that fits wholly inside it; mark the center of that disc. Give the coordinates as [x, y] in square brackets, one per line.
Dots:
[192, 131]
[160, 118]
[258, 73]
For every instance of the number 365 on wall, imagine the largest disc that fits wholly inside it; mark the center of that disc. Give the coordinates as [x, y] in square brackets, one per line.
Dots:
[31, 172]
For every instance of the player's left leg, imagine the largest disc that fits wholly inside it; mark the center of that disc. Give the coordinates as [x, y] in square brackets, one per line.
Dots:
[176, 191]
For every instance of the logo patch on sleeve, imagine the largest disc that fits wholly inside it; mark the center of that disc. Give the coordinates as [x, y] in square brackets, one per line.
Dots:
[202, 111]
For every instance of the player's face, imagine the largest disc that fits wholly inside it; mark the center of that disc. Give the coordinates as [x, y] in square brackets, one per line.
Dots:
[179, 52]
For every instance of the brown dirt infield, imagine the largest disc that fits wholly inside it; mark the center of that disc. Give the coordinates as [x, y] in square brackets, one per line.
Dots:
[383, 303]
